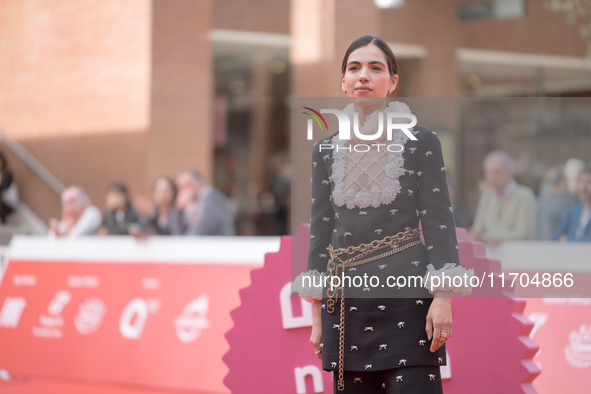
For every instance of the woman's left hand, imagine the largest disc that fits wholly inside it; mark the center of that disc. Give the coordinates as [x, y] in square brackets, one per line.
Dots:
[439, 321]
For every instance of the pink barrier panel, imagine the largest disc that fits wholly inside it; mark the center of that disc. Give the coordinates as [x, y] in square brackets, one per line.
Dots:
[156, 325]
[562, 327]
[88, 327]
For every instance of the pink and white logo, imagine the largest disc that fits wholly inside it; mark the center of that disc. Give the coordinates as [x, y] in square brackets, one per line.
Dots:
[50, 324]
[135, 315]
[193, 319]
[89, 316]
[59, 302]
[578, 351]
[12, 310]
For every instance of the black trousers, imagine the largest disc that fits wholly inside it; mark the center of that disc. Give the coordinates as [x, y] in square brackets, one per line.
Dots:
[419, 379]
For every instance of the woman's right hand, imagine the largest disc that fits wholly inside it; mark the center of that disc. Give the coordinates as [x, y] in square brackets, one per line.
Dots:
[316, 335]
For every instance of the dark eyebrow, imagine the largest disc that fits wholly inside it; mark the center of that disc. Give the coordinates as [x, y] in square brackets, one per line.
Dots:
[372, 62]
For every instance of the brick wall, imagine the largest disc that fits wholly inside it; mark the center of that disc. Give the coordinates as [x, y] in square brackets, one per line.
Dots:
[74, 90]
[182, 88]
[105, 90]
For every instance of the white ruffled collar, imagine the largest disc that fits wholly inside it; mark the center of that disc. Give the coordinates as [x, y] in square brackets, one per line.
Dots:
[392, 164]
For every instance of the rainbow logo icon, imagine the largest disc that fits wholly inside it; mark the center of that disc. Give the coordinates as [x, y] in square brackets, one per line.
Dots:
[316, 116]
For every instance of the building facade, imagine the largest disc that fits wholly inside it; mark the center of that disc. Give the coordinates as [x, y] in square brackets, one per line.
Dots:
[129, 90]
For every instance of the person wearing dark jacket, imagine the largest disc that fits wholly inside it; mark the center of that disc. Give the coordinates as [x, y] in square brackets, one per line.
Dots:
[6, 182]
[120, 218]
[203, 209]
[576, 222]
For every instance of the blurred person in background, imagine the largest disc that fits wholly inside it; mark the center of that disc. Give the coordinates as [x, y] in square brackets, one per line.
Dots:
[160, 215]
[203, 209]
[506, 210]
[576, 222]
[8, 191]
[79, 216]
[120, 217]
[572, 167]
[553, 202]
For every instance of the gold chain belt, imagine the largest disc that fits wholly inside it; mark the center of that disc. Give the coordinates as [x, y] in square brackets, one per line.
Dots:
[363, 250]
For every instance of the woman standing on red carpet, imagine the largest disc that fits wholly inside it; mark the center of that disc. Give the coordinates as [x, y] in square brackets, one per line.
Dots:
[366, 209]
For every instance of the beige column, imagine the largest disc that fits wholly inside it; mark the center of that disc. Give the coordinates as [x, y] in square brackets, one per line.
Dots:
[437, 74]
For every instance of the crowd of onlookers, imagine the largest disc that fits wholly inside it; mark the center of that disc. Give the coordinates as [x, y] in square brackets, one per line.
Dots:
[185, 206]
[508, 211]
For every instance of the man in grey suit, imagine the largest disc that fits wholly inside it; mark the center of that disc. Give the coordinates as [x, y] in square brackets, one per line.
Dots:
[204, 210]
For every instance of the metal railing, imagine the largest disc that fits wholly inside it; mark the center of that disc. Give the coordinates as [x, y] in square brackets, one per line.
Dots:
[31, 162]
